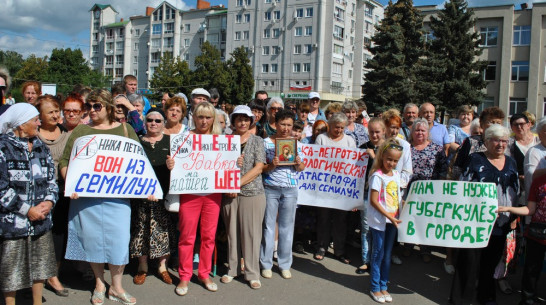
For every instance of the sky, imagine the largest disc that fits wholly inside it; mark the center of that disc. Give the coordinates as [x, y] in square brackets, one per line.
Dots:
[38, 26]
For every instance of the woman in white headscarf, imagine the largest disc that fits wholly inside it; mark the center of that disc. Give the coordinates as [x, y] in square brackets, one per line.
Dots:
[27, 195]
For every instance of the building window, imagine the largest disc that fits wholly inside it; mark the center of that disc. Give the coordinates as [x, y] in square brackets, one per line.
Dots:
[522, 35]
[119, 45]
[517, 105]
[119, 72]
[306, 67]
[308, 30]
[247, 18]
[109, 46]
[338, 32]
[95, 36]
[308, 49]
[267, 16]
[277, 15]
[338, 49]
[95, 49]
[156, 43]
[267, 1]
[109, 60]
[156, 57]
[489, 36]
[136, 46]
[238, 18]
[121, 31]
[276, 33]
[337, 69]
[368, 11]
[169, 28]
[156, 29]
[299, 13]
[267, 33]
[110, 34]
[298, 31]
[135, 59]
[309, 12]
[168, 42]
[246, 35]
[274, 68]
[237, 35]
[201, 40]
[239, 2]
[297, 49]
[265, 50]
[171, 13]
[187, 57]
[265, 68]
[187, 27]
[486, 103]
[109, 72]
[137, 32]
[491, 71]
[296, 68]
[276, 50]
[544, 107]
[520, 71]
[119, 59]
[187, 42]
[339, 14]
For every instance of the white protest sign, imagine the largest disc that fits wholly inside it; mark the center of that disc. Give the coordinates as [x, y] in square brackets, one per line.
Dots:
[110, 166]
[333, 177]
[205, 164]
[446, 213]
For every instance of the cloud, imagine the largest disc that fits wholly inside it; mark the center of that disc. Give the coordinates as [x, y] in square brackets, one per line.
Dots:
[27, 45]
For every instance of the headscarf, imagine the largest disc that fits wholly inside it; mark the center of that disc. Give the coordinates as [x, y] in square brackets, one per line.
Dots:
[17, 115]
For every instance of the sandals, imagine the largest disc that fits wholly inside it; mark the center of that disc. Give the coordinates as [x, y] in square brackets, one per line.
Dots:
[181, 291]
[255, 284]
[342, 258]
[123, 298]
[319, 255]
[98, 297]
[361, 270]
[211, 286]
[226, 279]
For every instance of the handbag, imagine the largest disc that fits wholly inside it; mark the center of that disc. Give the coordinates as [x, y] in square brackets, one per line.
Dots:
[537, 230]
[172, 202]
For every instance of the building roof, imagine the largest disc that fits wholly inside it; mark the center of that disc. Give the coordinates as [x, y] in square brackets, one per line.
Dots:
[102, 7]
[116, 24]
[224, 11]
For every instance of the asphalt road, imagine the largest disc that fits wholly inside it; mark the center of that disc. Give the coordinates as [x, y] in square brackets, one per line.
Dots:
[326, 282]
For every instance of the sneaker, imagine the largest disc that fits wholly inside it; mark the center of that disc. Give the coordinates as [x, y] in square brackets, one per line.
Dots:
[286, 274]
[449, 269]
[266, 273]
[396, 260]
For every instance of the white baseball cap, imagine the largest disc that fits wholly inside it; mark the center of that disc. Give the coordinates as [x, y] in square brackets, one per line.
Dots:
[200, 91]
[313, 95]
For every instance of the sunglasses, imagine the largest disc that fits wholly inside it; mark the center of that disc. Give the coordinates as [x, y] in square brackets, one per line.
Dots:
[263, 100]
[158, 121]
[70, 111]
[97, 106]
[276, 108]
[393, 146]
[291, 108]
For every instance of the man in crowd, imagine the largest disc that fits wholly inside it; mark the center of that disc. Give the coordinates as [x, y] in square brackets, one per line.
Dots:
[438, 132]
[409, 115]
[315, 113]
[131, 85]
[262, 96]
[214, 97]
[198, 95]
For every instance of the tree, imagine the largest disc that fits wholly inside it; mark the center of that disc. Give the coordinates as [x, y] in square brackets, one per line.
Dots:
[397, 47]
[33, 68]
[170, 75]
[211, 72]
[454, 50]
[12, 60]
[242, 77]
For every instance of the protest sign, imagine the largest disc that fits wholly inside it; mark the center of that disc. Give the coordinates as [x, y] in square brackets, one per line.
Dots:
[454, 214]
[110, 166]
[205, 164]
[333, 177]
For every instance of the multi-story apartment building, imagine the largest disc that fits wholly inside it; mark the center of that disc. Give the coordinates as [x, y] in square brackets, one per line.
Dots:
[294, 46]
[512, 41]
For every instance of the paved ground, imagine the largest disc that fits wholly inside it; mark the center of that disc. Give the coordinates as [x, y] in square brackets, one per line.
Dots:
[327, 282]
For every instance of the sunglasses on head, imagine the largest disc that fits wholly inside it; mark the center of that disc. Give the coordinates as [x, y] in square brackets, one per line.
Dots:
[393, 146]
[158, 121]
[97, 106]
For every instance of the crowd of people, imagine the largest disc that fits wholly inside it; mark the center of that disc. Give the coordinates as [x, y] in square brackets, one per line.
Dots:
[41, 229]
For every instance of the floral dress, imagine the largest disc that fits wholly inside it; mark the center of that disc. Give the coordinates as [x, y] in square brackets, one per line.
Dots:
[430, 163]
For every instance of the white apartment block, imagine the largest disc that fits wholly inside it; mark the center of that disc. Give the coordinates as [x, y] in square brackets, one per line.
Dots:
[294, 46]
[512, 38]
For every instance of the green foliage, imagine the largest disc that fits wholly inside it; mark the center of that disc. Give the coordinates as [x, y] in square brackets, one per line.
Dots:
[170, 76]
[242, 77]
[33, 68]
[12, 60]
[455, 75]
[211, 72]
[391, 81]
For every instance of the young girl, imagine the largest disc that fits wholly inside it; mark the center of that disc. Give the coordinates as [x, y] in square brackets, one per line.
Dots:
[383, 205]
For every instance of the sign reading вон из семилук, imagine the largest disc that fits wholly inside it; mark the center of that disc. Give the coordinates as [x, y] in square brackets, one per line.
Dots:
[446, 213]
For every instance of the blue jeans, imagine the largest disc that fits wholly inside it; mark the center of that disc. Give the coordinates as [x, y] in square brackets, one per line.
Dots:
[280, 207]
[382, 243]
[364, 235]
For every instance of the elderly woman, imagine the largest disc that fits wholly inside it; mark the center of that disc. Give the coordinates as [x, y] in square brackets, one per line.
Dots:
[475, 128]
[274, 105]
[333, 221]
[243, 213]
[319, 127]
[198, 209]
[31, 90]
[377, 129]
[55, 136]
[429, 162]
[99, 228]
[478, 265]
[72, 108]
[137, 101]
[175, 110]
[332, 108]
[152, 234]
[355, 130]
[281, 192]
[126, 112]
[258, 109]
[523, 140]
[28, 192]
[223, 121]
[459, 132]
[488, 117]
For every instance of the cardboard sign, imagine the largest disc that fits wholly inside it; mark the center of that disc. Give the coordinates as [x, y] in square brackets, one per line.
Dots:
[446, 213]
[110, 166]
[333, 177]
[205, 164]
